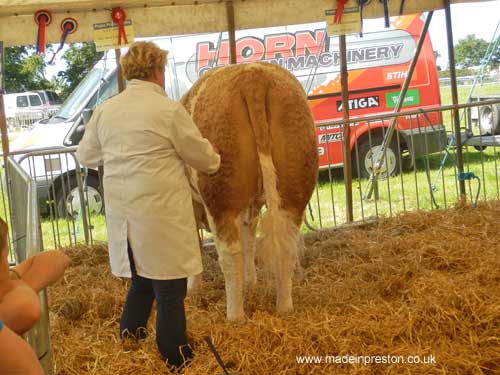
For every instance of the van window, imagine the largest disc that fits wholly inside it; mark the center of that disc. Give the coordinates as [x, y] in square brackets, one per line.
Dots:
[53, 97]
[22, 102]
[78, 98]
[108, 90]
[42, 96]
[35, 101]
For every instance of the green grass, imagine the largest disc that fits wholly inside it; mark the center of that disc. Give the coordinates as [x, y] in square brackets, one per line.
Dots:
[463, 92]
[414, 189]
[63, 232]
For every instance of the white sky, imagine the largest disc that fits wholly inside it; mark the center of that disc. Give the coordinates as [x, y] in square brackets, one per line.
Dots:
[480, 19]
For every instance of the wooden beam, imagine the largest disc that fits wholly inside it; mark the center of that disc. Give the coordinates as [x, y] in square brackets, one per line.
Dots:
[159, 17]
[454, 97]
[231, 31]
[346, 131]
[119, 74]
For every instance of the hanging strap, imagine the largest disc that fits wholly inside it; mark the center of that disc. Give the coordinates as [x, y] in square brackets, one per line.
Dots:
[386, 13]
[401, 7]
[361, 4]
[211, 346]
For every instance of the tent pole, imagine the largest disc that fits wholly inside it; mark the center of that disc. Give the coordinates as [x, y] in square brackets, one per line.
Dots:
[346, 135]
[231, 31]
[454, 98]
[119, 75]
[3, 120]
[3, 127]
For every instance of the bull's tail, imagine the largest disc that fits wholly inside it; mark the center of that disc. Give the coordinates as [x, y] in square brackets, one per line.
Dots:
[280, 236]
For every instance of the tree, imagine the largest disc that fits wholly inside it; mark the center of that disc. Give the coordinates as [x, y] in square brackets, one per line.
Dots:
[24, 70]
[470, 51]
[80, 58]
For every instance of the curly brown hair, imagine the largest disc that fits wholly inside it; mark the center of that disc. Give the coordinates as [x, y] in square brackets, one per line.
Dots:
[142, 59]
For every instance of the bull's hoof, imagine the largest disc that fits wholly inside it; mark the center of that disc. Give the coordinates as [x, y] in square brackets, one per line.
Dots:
[237, 321]
[284, 308]
[236, 317]
[285, 313]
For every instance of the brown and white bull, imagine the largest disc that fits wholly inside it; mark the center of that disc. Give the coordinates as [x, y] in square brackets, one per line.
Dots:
[258, 117]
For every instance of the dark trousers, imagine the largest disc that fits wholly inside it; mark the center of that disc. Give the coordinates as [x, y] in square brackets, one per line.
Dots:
[170, 315]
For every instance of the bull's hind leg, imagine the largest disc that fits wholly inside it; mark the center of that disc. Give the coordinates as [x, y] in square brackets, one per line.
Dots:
[285, 268]
[249, 221]
[231, 261]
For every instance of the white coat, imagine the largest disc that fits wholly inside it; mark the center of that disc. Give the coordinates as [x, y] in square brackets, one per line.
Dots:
[144, 140]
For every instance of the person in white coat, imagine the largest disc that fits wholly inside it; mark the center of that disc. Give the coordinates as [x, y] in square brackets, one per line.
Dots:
[145, 140]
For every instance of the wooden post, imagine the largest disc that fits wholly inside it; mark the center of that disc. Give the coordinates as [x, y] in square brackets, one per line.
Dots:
[119, 75]
[3, 121]
[346, 132]
[3, 127]
[231, 31]
[5, 150]
[454, 98]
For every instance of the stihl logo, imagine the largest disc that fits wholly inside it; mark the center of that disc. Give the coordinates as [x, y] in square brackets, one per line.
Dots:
[361, 103]
[391, 76]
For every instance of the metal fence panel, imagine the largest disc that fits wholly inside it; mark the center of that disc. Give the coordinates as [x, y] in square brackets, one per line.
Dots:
[67, 197]
[27, 242]
[423, 172]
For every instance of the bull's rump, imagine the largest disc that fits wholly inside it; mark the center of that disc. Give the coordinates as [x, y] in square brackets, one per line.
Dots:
[249, 109]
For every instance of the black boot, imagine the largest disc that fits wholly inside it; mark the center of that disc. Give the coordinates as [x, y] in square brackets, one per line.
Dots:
[179, 358]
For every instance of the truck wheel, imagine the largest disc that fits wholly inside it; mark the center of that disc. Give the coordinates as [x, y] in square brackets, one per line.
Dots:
[367, 152]
[69, 205]
[489, 119]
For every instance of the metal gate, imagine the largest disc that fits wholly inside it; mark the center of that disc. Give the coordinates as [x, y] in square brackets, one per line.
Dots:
[26, 240]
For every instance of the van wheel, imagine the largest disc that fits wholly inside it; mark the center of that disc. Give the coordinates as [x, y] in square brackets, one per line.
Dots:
[367, 152]
[69, 205]
[489, 119]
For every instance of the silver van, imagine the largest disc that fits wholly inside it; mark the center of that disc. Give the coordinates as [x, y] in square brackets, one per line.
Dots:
[23, 109]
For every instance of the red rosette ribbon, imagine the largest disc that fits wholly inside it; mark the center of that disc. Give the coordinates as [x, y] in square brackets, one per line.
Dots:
[118, 16]
[340, 9]
[42, 19]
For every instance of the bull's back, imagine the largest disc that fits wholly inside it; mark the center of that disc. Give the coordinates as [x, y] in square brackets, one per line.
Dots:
[240, 106]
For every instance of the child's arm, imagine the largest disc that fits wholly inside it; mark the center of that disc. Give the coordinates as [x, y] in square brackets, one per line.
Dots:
[43, 269]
